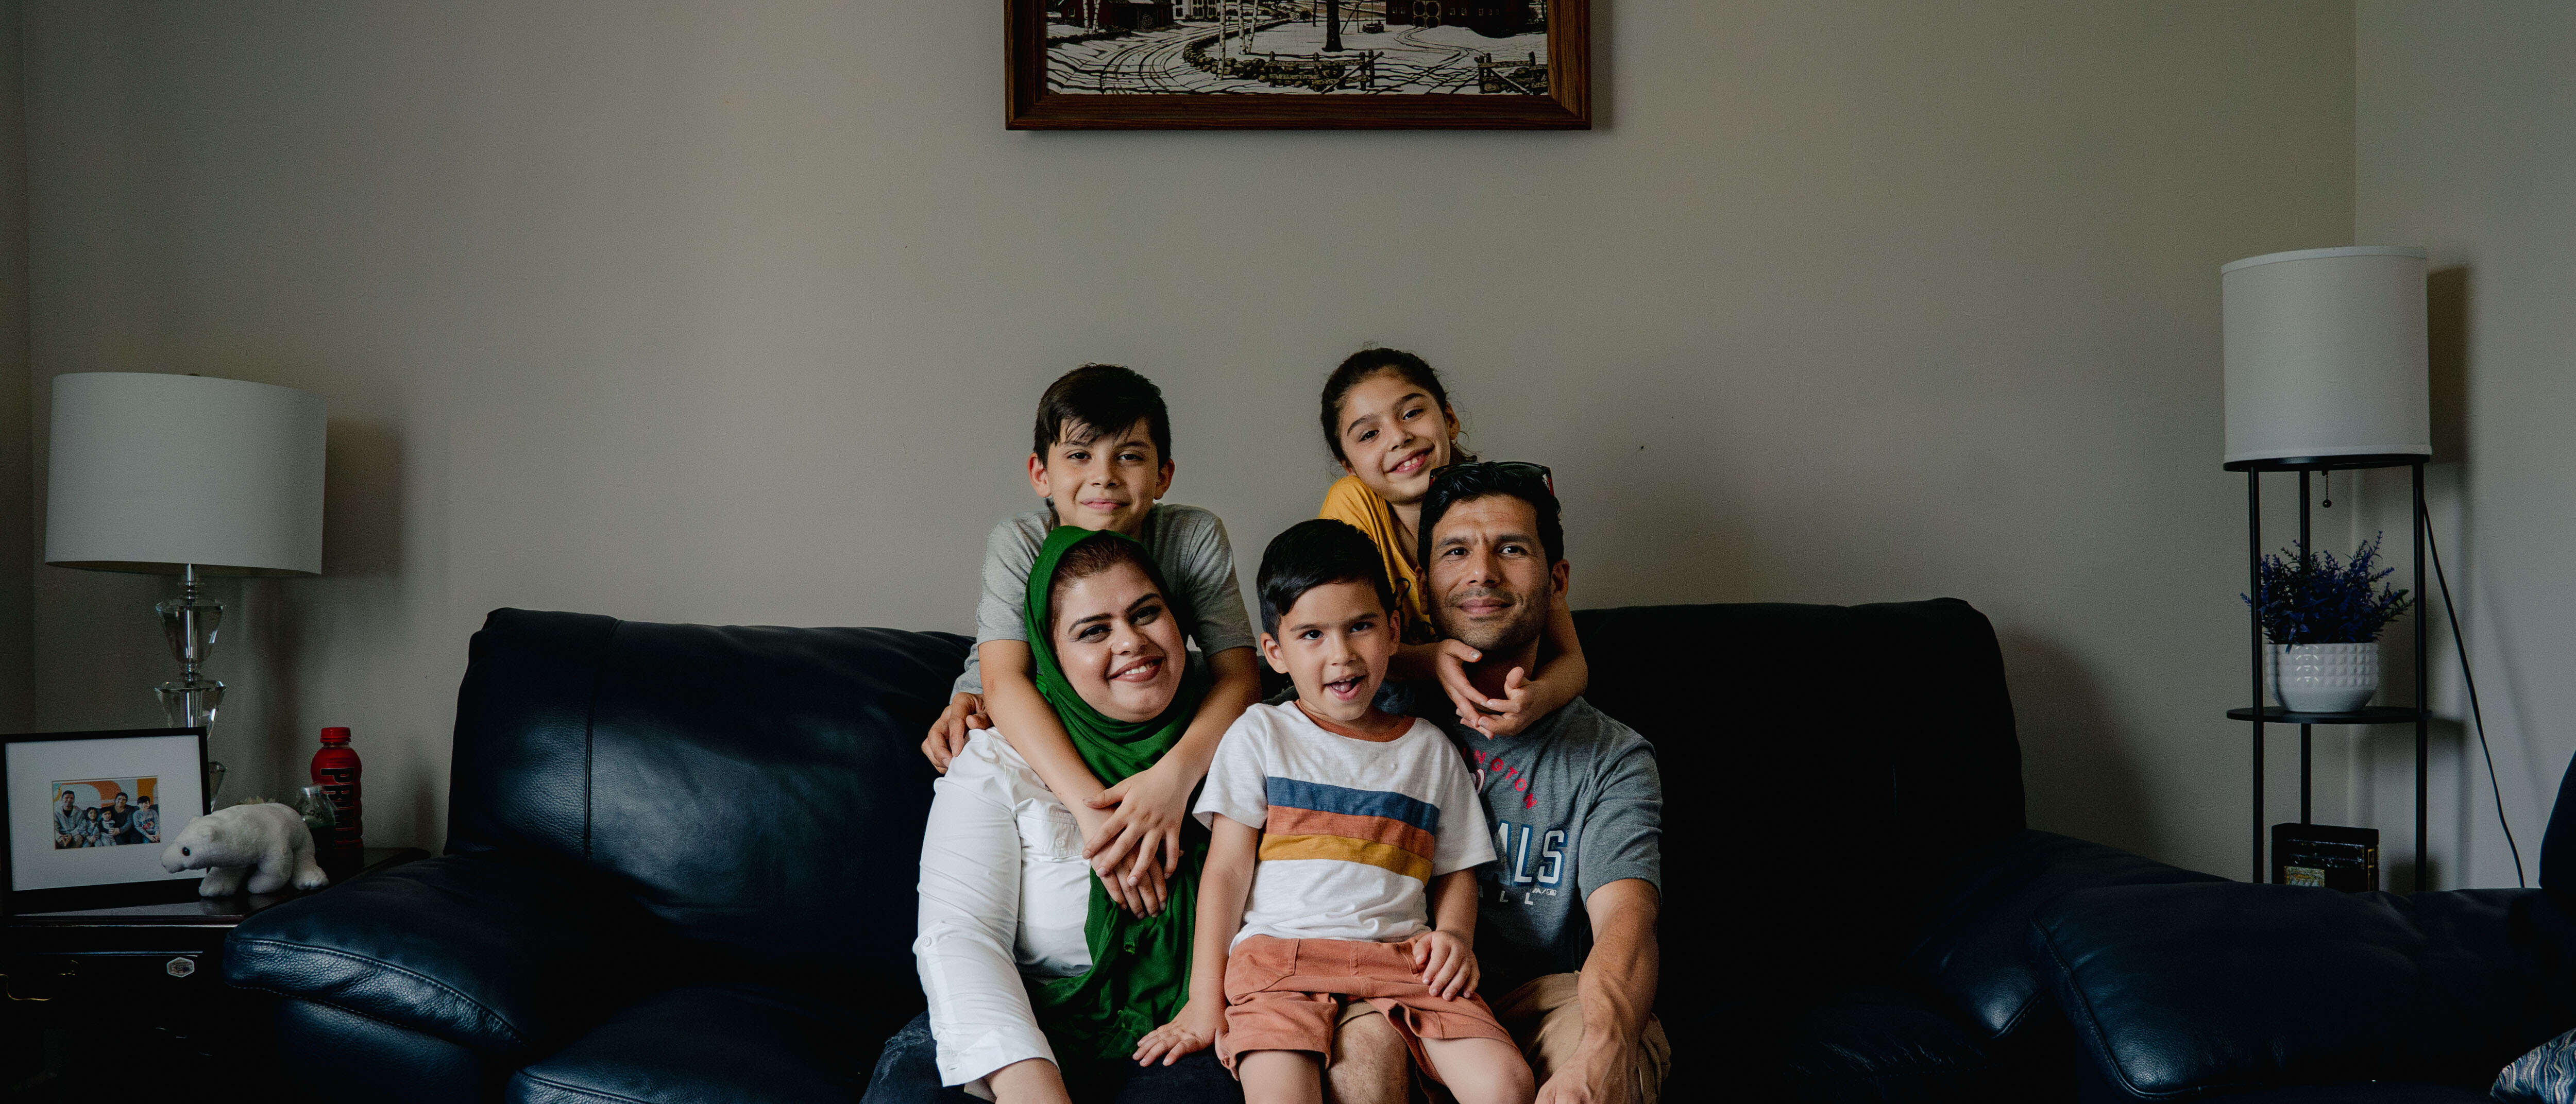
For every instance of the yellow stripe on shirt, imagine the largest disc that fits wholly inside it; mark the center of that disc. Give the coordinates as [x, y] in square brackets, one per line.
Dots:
[1346, 849]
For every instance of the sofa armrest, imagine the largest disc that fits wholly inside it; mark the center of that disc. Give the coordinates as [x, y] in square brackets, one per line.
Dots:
[491, 952]
[2193, 989]
[1973, 943]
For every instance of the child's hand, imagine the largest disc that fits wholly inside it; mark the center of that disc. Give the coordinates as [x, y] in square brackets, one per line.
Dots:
[1194, 1029]
[1507, 715]
[1446, 964]
[948, 733]
[1504, 716]
[1147, 809]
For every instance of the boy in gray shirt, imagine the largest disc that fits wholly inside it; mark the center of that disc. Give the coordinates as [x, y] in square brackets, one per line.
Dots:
[1101, 460]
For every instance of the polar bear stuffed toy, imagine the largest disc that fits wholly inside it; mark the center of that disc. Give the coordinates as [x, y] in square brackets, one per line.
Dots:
[265, 841]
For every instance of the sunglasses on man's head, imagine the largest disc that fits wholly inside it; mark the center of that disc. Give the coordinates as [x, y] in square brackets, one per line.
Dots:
[1499, 467]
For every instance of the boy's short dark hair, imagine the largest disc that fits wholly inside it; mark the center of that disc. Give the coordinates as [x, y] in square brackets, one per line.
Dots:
[1101, 398]
[1317, 553]
[1466, 482]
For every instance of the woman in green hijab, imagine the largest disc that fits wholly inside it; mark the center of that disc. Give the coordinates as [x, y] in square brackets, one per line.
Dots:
[1039, 985]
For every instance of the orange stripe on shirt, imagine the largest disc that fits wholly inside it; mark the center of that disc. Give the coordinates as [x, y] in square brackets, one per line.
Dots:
[1344, 849]
[1289, 821]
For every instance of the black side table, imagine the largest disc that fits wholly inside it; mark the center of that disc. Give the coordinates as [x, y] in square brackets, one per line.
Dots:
[138, 992]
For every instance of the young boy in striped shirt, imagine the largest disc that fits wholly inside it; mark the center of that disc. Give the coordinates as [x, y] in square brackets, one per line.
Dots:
[1340, 877]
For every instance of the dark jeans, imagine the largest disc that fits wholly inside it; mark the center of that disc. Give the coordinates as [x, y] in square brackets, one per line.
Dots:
[908, 1073]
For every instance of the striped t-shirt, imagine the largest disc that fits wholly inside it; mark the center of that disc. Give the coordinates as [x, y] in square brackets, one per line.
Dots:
[1352, 830]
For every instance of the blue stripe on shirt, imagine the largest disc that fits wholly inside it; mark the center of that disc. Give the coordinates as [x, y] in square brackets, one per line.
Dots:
[1337, 799]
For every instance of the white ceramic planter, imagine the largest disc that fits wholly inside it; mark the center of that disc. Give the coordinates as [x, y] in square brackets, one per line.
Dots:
[2323, 678]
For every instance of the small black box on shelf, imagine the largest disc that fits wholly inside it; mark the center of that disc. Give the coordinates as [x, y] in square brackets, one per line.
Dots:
[2325, 855]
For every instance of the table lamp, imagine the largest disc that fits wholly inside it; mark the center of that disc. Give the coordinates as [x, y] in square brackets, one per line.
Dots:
[189, 476]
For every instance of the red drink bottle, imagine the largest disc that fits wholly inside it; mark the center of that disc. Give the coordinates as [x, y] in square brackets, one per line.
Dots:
[335, 769]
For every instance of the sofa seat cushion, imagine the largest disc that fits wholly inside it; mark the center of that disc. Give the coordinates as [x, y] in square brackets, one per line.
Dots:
[2374, 1092]
[2211, 988]
[713, 1045]
[1875, 1043]
[489, 951]
[1857, 1044]
[1973, 945]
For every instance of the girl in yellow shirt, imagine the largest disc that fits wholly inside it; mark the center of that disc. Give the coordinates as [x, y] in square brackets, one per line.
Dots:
[1389, 422]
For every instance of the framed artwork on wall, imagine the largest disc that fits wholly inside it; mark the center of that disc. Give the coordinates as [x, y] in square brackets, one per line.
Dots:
[89, 813]
[1299, 64]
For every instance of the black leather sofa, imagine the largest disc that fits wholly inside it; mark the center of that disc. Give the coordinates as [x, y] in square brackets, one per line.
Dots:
[681, 865]
[2283, 994]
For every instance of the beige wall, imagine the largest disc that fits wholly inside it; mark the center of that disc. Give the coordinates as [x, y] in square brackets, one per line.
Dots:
[737, 313]
[2465, 125]
[17, 492]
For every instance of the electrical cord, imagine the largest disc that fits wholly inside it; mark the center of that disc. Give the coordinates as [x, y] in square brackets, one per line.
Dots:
[2425, 517]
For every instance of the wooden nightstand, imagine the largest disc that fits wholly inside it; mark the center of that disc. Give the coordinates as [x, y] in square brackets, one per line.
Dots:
[137, 995]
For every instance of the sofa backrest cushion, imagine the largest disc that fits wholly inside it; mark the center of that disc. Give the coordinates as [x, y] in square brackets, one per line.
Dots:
[1819, 762]
[2558, 843]
[761, 790]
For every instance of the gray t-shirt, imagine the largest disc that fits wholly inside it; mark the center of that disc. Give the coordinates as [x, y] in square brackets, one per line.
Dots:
[1188, 545]
[1575, 803]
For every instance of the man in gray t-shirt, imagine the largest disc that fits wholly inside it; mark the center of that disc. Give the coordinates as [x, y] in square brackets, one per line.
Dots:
[1566, 930]
[1576, 804]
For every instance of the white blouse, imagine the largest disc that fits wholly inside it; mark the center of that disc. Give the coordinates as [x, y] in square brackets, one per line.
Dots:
[1004, 892]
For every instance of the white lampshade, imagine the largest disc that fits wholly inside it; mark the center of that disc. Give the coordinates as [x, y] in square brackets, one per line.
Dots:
[2325, 354]
[151, 472]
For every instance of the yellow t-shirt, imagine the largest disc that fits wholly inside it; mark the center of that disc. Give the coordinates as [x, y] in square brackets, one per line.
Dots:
[1350, 500]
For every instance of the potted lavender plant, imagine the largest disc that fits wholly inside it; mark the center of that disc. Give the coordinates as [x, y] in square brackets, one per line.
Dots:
[2323, 619]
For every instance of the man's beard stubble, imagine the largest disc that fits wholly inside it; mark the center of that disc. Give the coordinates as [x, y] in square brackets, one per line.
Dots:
[1499, 637]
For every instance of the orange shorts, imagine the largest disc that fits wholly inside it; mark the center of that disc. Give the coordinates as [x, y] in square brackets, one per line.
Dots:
[1287, 994]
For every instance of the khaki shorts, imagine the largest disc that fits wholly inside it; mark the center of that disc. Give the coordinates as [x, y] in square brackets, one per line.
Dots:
[1545, 1018]
[1289, 994]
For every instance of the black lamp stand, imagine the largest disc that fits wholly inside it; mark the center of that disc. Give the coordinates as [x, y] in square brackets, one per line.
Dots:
[2261, 713]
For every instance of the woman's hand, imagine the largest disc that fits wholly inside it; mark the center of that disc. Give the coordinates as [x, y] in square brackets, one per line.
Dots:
[1145, 814]
[1446, 964]
[948, 733]
[1503, 716]
[1141, 896]
[1194, 1029]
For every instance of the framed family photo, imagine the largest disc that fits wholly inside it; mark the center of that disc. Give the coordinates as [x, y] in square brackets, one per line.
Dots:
[89, 814]
[1299, 64]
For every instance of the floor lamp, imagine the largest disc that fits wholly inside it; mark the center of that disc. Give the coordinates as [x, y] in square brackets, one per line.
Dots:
[2326, 371]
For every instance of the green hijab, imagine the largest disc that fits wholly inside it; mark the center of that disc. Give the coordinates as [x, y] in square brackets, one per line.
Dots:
[1140, 965]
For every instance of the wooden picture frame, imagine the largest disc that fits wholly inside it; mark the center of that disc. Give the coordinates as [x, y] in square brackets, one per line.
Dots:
[35, 767]
[1157, 54]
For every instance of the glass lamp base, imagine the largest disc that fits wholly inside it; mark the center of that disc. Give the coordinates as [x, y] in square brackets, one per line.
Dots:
[190, 703]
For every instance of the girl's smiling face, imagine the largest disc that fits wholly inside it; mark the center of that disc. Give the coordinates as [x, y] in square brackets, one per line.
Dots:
[1394, 435]
[1118, 642]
